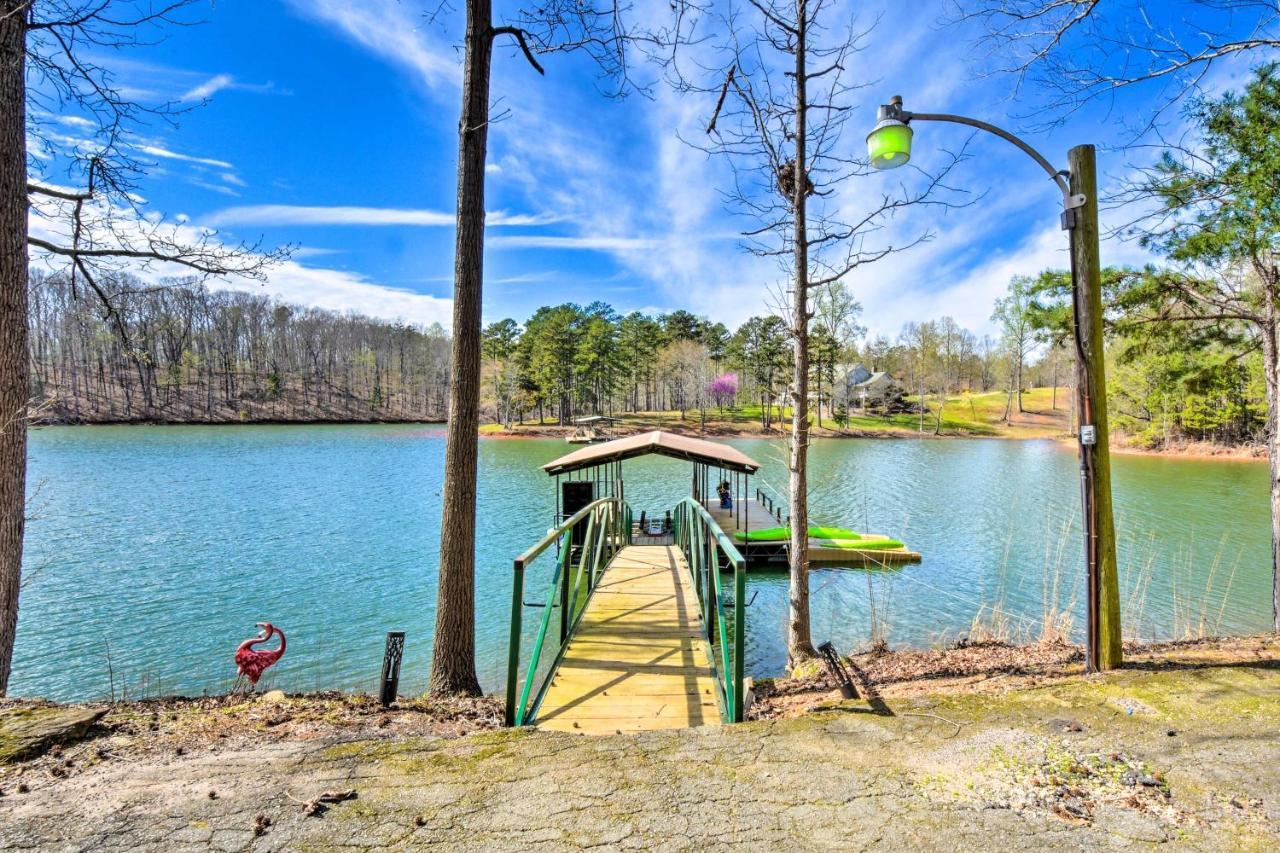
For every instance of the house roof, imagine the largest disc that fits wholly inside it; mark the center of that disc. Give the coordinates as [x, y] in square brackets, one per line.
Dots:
[873, 378]
[662, 443]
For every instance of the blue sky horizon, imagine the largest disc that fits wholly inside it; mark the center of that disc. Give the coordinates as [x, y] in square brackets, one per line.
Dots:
[332, 126]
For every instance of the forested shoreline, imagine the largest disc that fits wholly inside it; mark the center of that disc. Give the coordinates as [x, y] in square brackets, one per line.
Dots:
[182, 353]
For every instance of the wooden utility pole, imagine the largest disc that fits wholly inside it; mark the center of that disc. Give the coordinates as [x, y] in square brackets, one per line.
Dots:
[1104, 649]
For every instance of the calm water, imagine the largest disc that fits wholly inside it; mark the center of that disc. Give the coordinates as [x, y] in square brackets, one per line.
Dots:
[162, 546]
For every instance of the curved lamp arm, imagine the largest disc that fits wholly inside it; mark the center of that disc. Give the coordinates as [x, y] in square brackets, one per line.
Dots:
[894, 110]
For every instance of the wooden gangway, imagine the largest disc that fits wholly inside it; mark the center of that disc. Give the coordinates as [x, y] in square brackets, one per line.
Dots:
[638, 659]
[630, 637]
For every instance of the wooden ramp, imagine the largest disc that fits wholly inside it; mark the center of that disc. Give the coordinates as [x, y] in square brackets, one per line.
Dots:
[637, 660]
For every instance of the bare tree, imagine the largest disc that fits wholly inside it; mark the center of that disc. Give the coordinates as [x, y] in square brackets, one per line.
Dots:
[1017, 335]
[782, 101]
[604, 31]
[1079, 51]
[92, 227]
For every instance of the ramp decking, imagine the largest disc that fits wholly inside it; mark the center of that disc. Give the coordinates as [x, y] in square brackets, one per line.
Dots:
[637, 660]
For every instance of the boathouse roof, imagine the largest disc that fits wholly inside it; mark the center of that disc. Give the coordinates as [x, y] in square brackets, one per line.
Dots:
[662, 443]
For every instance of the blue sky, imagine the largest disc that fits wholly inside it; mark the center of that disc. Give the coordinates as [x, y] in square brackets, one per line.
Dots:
[332, 125]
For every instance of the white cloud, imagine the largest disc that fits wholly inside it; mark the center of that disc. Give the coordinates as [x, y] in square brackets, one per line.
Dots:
[339, 290]
[288, 214]
[221, 189]
[607, 244]
[313, 252]
[290, 281]
[233, 179]
[208, 88]
[166, 154]
[393, 30]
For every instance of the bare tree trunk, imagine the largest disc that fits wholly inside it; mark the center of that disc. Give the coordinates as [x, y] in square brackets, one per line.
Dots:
[453, 659]
[1019, 389]
[1055, 379]
[799, 642]
[1008, 400]
[1271, 368]
[13, 320]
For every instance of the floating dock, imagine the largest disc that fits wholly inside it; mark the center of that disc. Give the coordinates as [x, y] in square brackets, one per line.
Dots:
[638, 659]
[753, 515]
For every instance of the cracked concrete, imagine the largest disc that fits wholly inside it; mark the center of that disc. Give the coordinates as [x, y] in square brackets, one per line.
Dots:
[934, 773]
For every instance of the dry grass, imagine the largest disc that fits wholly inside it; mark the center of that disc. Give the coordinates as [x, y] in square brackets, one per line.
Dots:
[970, 667]
[175, 725]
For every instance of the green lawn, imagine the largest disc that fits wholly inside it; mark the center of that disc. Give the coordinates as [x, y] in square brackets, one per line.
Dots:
[963, 415]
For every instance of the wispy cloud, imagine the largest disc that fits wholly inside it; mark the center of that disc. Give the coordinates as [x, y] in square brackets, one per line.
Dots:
[208, 88]
[393, 30]
[221, 189]
[313, 252]
[290, 281]
[165, 154]
[339, 290]
[289, 214]
[604, 244]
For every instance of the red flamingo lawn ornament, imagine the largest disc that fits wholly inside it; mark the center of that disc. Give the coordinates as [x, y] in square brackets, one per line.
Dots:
[251, 662]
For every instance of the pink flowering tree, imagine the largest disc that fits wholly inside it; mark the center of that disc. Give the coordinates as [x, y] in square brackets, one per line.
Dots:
[723, 389]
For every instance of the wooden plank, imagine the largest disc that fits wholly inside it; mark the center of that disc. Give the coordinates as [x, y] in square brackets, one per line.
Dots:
[637, 660]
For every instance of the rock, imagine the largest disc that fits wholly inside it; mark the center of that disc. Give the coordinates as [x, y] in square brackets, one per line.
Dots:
[27, 732]
[1133, 706]
[273, 697]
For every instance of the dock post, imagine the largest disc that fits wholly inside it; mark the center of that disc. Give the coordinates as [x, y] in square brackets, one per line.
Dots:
[563, 571]
[709, 566]
[513, 652]
[739, 637]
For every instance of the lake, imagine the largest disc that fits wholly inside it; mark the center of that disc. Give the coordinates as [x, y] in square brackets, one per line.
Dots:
[154, 550]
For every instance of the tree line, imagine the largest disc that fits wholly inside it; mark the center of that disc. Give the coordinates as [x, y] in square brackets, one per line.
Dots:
[184, 353]
[569, 361]
[181, 352]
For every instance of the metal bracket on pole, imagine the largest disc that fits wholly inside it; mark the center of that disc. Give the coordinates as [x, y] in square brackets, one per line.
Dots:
[1070, 203]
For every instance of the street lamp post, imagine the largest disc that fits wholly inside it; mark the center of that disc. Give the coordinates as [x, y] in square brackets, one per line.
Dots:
[889, 146]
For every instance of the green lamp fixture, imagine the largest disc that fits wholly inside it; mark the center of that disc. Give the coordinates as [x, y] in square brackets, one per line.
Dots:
[889, 144]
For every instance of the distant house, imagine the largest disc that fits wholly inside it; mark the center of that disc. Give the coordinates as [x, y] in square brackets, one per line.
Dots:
[855, 386]
[878, 389]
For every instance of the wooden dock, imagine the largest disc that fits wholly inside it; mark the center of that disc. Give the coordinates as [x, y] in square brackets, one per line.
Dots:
[637, 660]
[753, 516]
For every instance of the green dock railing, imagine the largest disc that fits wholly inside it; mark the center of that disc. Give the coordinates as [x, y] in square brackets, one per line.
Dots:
[703, 543]
[578, 568]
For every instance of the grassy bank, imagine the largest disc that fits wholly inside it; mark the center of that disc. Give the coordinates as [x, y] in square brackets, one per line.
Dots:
[1176, 750]
[963, 416]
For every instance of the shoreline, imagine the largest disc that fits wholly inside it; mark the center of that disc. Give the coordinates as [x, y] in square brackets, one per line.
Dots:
[1203, 451]
[143, 422]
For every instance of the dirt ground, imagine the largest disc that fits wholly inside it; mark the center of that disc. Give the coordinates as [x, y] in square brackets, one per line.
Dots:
[977, 750]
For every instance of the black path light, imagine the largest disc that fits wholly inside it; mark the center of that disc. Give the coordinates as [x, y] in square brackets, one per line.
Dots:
[888, 147]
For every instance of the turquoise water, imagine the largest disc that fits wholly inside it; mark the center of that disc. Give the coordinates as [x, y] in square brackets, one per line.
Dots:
[162, 546]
